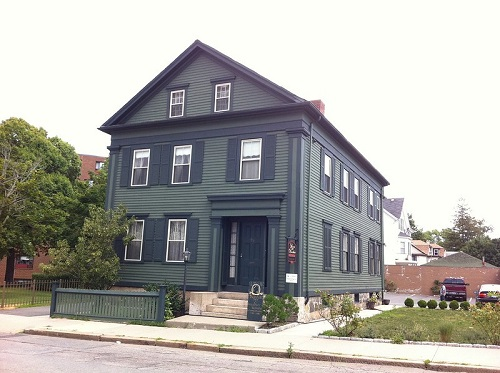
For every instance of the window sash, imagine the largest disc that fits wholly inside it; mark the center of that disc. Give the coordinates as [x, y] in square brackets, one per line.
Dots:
[356, 193]
[345, 186]
[327, 182]
[357, 250]
[222, 97]
[177, 103]
[133, 251]
[140, 167]
[176, 240]
[250, 162]
[345, 251]
[182, 164]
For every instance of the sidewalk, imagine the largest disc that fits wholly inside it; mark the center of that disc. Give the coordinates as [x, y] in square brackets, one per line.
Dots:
[302, 340]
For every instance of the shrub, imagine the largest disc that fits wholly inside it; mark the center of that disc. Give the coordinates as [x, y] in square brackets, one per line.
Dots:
[341, 312]
[390, 286]
[432, 304]
[443, 305]
[277, 309]
[409, 302]
[465, 305]
[487, 317]
[422, 303]
[435, 288]
[173, 300]
[454, 305]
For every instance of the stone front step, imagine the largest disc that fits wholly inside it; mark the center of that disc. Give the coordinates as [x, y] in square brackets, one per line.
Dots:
[225, 315]
[226, 310]
[230, 295]
[230, 302]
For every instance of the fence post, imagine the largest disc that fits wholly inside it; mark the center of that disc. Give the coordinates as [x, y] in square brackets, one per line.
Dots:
[53, 299]
[3, 294]
[33, 292]
[160, 312]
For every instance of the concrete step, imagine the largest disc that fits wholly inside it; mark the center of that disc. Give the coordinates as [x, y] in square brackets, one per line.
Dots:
[226, 310]
[230, 302]
[225, 315]
[230, 295]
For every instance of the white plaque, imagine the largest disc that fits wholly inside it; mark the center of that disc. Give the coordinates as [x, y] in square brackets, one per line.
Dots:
[291, 278]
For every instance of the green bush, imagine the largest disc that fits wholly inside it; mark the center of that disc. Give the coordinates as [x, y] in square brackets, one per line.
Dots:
[174, 306]
[390, 286]
[409, 302]
[422, 303]
[443, 305]
[465, 305]
[487, 317]
[454, 305]
[435, 288]
[341, 312]
[432, 304]
[279, 310]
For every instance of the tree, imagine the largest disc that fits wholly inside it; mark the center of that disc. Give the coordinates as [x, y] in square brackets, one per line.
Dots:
[483, 247]
[465, 228]
[93, 262]
[37, 178]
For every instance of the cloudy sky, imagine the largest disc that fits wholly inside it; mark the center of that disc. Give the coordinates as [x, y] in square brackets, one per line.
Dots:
[414, 85]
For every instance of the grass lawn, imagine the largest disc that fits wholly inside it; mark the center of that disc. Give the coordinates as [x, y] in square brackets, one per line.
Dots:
[24, 297]
[421, 324]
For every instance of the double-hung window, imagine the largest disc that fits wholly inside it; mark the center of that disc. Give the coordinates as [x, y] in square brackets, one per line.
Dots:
[176, 240]
[222, 97]
[374, 205]
[355, 196]
[356, 263]
[327, 180]
[327, 246]
[374, 257]
[250, 162]
[344, 195]
[177, 103]
[345, 251]
[133, 250]
[182, 164]
[402, 247]
[140, 167]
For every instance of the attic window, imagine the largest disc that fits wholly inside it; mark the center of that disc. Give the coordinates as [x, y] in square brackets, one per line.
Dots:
[222, 97]
[177, 103]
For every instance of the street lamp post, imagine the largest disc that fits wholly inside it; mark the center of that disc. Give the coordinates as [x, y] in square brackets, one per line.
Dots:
[187, 254]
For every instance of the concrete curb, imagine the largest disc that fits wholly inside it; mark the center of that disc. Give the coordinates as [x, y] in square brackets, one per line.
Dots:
[247, 351]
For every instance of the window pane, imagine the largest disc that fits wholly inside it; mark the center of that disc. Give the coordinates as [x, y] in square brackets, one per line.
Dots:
[222, 95]
[250, 170]
[251, 149]
[175, 251]
[177, 230]
[139, 177]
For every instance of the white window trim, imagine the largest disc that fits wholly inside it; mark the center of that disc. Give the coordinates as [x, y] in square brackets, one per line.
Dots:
[134, 168]
[168, 239]
[220, 98]
[172, 103]
[253, 159]
[182, 164]
[142, 242]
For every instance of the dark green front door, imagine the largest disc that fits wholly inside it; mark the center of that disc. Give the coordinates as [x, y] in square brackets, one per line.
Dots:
[252, 250]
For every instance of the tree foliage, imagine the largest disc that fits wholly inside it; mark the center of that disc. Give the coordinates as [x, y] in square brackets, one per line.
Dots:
[465, 228]
[37, 179]
[93, 262]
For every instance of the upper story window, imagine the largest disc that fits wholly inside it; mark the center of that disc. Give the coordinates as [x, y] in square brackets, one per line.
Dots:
[344, 196]
[222, 97]
[374, 205]
[176, 240]
[182, 164]
[133, 251]
[251, 151]
[327, 180]
[140, 167]
[350, 193]
[177, 103]
[402, 247]
[436, 252]
[99, 165]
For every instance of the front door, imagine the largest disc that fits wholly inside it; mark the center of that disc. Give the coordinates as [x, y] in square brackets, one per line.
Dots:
[245, 253]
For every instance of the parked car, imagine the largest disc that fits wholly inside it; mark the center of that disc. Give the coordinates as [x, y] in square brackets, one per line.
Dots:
[456, 288]
[488, 293]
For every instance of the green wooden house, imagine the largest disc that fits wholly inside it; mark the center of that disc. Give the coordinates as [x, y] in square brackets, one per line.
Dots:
[212, 158]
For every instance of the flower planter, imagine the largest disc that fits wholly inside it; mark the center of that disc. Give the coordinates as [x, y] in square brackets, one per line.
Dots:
[370, 305]
[386, 302]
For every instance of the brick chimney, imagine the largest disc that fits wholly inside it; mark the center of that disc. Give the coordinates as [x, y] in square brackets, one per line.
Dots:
[319, 105]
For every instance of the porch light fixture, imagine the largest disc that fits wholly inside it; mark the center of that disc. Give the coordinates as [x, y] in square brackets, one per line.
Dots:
[187, 255]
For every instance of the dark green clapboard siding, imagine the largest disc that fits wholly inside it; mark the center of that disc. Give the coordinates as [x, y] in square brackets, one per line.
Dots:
[196, 80]
[159, 200]
[335, 212]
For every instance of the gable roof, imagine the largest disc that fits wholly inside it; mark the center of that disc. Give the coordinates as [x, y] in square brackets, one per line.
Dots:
[423, 247]
[394, 206]
[116, 122]
[192, 52]
[460, 260]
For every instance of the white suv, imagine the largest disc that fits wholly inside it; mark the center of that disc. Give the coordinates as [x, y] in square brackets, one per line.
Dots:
[488, 293]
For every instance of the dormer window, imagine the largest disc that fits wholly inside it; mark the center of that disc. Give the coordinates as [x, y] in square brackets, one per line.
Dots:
[177, 103]
[222, 97]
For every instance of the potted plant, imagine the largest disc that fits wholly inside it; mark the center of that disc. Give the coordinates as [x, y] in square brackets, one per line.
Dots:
[372, 301]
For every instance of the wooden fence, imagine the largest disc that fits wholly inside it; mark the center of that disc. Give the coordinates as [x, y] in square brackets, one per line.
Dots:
[106, 304]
